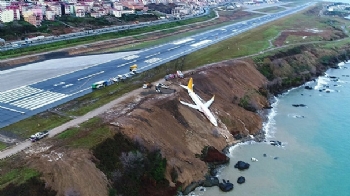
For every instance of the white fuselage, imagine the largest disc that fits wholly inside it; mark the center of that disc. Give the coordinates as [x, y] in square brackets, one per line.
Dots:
[202, 107]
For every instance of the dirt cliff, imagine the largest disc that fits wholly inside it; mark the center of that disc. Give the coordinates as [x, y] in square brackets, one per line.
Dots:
[160, 121]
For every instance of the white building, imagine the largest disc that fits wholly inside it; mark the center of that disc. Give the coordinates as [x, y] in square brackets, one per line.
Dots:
[6, 15]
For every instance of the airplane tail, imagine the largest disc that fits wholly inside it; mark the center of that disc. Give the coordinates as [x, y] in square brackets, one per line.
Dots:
[190, 85]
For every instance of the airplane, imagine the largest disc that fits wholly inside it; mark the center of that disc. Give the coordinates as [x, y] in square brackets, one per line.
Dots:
[199, 103]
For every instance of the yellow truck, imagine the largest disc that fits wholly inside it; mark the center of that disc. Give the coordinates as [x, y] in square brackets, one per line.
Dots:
[133, 67]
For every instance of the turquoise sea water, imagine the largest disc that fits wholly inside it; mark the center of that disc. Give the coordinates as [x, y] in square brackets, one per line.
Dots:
[315, 157]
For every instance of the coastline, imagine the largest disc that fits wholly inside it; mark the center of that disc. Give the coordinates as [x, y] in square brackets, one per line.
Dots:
[267, 131]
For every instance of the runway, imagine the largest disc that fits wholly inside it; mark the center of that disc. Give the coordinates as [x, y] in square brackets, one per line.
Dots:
[34, 88]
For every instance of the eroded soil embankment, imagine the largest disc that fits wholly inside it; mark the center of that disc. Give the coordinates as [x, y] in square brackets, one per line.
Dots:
[181, 132]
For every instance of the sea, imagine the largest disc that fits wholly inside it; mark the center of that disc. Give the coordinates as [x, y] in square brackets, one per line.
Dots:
[314, 159]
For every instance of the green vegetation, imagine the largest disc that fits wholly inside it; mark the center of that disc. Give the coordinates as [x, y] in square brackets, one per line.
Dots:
[17, 176]
[40, 122]
[32, 186]
[2, 146]
[271, 9]
[16, 30]
[130, 167]
[83, 21]
[87, 135]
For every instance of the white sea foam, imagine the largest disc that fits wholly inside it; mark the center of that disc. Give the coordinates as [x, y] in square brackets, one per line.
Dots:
[321, 82]
[268, 126]
[341, 64]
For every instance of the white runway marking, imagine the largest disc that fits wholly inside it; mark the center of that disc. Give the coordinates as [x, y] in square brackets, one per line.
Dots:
[152, 60]
[91, 75]
[131, 57]
[13, 110]
[18, 93]
[152, 55]
[201, 43]
[39, 100]
[58, 84]
[182, 41]
[126, 63]
[173, 48]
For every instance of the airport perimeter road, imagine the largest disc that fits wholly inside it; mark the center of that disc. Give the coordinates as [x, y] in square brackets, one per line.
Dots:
[19, 102]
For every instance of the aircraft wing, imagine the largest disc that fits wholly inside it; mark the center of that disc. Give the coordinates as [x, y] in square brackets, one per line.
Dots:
[190, 105]
[208, 103]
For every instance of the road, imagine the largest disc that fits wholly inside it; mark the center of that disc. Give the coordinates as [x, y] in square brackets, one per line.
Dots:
[23, 98]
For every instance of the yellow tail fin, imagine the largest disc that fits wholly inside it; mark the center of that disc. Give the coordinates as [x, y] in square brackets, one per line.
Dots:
[190, 85]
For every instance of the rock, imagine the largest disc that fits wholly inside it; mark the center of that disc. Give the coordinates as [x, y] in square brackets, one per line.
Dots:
[308, 87]
[210, 181]
[241, 165]
[226, 186]
[190, 188]
[267, 107]
[264, 155]
[212, 156]
[275, 143]
[241, 180]
[213, 172]
[254, 159]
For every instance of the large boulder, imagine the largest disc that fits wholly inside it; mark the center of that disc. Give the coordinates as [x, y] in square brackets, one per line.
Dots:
[213, 156]
[275, 143]
[241, 165]
[241, 180]
[210, 181]
[190, 188]
[226, 186]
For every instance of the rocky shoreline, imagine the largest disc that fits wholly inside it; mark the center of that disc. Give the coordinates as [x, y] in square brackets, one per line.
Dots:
[211, 178]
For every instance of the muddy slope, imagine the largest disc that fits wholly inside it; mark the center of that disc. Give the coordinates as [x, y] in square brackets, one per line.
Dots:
[181, 132]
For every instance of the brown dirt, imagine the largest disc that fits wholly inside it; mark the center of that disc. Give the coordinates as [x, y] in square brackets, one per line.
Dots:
[67, 170]
[325, 35]
[181, 132]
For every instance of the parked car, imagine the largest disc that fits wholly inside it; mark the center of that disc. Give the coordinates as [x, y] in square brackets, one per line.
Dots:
[38, 136]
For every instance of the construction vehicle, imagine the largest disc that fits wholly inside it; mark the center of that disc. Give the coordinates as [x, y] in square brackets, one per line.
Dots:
[133, 67]
[99, 84]
[160, 85]
[179, 74]
[147, 85]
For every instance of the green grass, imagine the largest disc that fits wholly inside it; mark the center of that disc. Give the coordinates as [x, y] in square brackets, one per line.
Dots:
[335, 44]
[87, 135]
[71, 132]
[274, 9]
[2, 146]
[292, 39]
[40, 122]
[17, 176]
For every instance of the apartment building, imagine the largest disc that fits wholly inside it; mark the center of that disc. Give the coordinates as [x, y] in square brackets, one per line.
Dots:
[6, 15]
